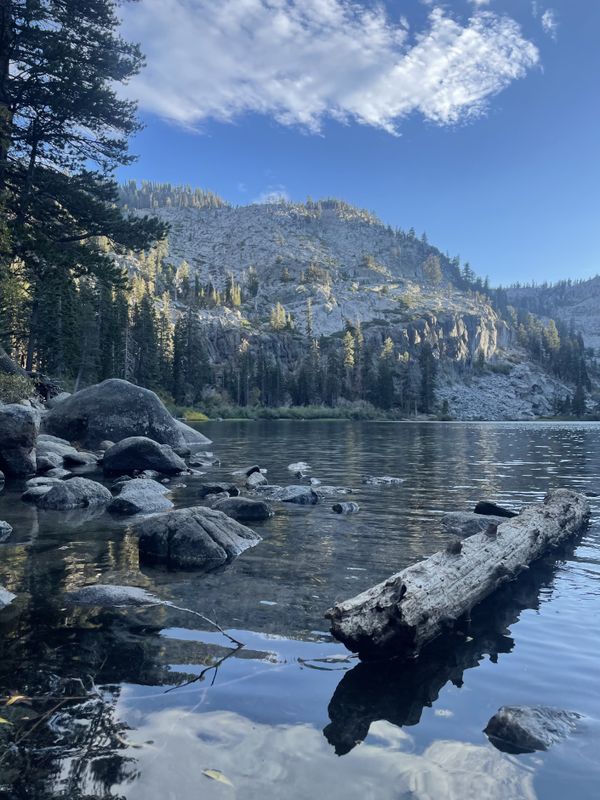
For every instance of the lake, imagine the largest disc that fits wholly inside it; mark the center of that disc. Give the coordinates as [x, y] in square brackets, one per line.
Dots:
[137, 703]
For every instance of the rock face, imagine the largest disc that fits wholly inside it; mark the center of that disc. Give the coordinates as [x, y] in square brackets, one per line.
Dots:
[5, 530]
[19, 427]
[140, 453]
[244, 509]
[115, 410]
[524, 729]
[141, 496]
[193, 538]
[75, 493]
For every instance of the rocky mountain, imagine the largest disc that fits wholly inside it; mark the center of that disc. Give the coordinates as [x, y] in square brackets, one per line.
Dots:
[332, 266]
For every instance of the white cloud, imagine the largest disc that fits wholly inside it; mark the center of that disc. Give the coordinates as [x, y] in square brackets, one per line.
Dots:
[480, 2]
[303, 61]
[550, 23]
[273, 194]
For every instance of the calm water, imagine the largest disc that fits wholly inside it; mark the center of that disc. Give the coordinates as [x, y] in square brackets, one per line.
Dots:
[136, 703]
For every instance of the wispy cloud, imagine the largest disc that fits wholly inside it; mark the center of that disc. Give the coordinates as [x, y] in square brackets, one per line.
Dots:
[304, 61]
[272, 194]
[550, 22]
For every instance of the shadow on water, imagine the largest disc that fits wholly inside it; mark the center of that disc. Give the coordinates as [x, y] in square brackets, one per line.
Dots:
[397, 692]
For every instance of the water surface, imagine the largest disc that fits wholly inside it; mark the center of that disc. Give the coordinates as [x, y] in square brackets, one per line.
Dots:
[137, 703]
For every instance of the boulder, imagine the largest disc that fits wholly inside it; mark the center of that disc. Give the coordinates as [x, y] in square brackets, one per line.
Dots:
[75, 493]
[467, 523]
[140, 453]
[47, 462]
[43, 480]
[492, 510]
[301, 495]
[105, 444]
[33, 494]
[113, 596]
[245, 472]
[52, 402]
[79, 459]
[244, 509]
[6, 597]
[58, 472]
[49, 439]
[19, 427]
[5, 530]
[141, 496]
[255, 479]
[525, 729]
[116, 409]
[193, 538]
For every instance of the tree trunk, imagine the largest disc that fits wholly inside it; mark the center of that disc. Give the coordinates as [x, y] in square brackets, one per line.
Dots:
[8, 366]
[409, 609]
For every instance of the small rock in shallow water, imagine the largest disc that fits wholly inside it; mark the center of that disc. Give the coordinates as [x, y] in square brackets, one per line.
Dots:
[346, 508]
[216, 488]
[42, 481]
[141, 496]
[300, 495]
[75, 493]
[524, 729]
[382, 480]
[299, 468]
[244, 509]
[141, 453]
[255, 479]
[106, 595]
[58, 472]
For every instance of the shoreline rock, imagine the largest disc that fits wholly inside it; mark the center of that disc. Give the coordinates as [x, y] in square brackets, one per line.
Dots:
[19, 427]
[141, 453]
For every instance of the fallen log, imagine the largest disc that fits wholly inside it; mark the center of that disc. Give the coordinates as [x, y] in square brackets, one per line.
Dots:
[409, 609]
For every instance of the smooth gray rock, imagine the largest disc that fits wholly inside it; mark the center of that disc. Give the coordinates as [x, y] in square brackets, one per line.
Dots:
[255, 479]
[48, 461]
[5, 530]
[191, 436]
[244, 509]
[525, 729]
[49, 439]
[141, 453]
[58, 472]
[75, 493]
[6, 597]
[116, 409]
[19, 426]
[301, 495]
[34, 493]
[43, 480]
[213, 499]
[467, 523]
[193, 538]
[105, 444]
[141, 496]
[52, 402]
[79, 458]
[113, 596]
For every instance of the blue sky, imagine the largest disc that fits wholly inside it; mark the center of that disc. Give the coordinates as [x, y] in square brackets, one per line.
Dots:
[478, 122]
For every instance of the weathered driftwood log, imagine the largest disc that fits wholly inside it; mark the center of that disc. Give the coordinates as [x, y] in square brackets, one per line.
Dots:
[409, 609]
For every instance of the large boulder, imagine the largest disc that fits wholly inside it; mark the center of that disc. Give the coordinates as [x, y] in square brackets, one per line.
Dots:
[19, 426]
[244, 509]
[75, 493]
[141, 496]
[140, 453]
[524, 729]
[115, 410]
[193, 538]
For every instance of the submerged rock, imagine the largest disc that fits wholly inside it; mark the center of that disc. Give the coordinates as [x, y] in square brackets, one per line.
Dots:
[301, 495]
[245, 472]
[492, 510]
[524, 729]
[107, 595]
[244, 509]
[299, 468]
[79, 458]
[5, 530]
[382, 480]
[75, 493]
[193, 538]
[116, 409]
[19, 427]
[34, 493]
[141, 496]
[467, 523]
[141, 453]
[255, 479]
[345, 508]
[216, 488]
[6, 597]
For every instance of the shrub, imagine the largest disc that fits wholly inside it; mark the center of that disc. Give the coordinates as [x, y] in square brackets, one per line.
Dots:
[15, 387]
